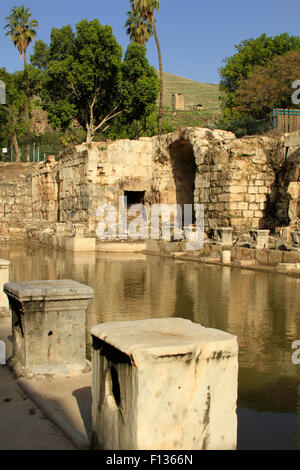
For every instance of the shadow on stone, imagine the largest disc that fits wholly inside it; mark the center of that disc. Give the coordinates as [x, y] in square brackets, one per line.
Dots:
[84, 400]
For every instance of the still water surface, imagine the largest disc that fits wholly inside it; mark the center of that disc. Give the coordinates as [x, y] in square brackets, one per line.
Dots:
[261, 309]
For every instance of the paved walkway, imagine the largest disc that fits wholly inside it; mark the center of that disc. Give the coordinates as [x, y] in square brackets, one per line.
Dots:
[22, 425]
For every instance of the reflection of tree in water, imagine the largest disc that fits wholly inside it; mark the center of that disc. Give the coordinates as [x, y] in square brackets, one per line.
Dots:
[264, 392]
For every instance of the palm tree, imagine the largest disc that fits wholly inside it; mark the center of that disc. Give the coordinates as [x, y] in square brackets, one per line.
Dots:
[138, 29]
[21, 29]
[146, 9]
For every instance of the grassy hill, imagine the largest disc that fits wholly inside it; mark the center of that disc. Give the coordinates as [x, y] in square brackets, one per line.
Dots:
[194, 92]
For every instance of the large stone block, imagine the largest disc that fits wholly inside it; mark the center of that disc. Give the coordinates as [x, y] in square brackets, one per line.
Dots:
[78, 244]
[48, 326]
[164, 384]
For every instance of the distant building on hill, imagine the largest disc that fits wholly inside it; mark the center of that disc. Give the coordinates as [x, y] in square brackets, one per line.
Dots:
[177, 102]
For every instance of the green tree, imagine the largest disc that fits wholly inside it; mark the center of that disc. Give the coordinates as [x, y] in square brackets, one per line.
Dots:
[21, 29]
[268, 87]
[85, 79]
[82, 80]
[138, 29]
[39, 58]
[12, 123]
[146, 9]
[140, 84]
[250, 53]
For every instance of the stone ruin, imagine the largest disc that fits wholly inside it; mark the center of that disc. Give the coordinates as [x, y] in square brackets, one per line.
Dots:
[246, 184]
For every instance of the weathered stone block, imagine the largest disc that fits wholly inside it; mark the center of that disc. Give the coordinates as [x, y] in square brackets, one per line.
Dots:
[261, 256]
[287, 267]
[80, 244]
[48, 326]
[260, 238]
[224, 236]
[226, 257]
[163, 384]
[275, 257]
[291, 257]
[245, 262]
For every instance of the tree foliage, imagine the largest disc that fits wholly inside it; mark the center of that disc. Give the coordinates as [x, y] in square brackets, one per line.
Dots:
[250, 54]
[138, 29]
[140, 82]
[21, 29]
[268, 87]
[146, 9]
[84, 78]
[12, 122]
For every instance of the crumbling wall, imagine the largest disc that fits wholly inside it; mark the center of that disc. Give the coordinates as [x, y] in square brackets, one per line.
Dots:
[45, 191]
[15, 192]
[234, 177]
[245, 183]
[287, 192]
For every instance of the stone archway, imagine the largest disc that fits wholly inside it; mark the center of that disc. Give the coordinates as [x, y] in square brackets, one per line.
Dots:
[184, 172]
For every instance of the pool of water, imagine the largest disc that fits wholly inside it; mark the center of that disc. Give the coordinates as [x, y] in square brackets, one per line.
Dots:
[261, 309]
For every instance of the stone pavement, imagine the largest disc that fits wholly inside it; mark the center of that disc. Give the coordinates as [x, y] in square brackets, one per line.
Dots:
[23, 426]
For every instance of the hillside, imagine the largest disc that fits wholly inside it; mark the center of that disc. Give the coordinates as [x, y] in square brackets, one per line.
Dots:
[194, 92]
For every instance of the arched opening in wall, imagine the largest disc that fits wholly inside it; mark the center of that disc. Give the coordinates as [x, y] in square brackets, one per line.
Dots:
[184, 173]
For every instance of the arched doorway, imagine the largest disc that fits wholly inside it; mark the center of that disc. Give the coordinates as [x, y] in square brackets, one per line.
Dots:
[184, 172]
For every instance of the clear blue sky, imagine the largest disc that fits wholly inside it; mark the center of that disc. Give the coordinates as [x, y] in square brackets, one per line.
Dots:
[195, 35]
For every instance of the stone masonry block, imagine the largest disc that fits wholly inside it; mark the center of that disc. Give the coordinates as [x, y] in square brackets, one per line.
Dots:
[48, 326]
[163, 384]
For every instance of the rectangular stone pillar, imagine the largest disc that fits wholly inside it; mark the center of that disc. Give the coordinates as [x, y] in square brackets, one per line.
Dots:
[48, 326]
[260, 239]
[224, 235]
[60, 228]
[79, 230]
[226, 257]
[4, 277]
[164, 384]
[295, 241]
[78, 244]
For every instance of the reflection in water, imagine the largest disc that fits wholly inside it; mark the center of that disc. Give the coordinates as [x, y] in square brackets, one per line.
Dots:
[262, 309]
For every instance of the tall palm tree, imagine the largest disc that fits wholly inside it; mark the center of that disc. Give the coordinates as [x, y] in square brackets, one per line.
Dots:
[21, 29]
[146, 9]
[138, 29]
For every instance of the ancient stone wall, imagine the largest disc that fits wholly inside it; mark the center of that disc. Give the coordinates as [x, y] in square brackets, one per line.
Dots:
[245, 183]
[15, 194]
[45, 191]
[287, 192]
[234, 178]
